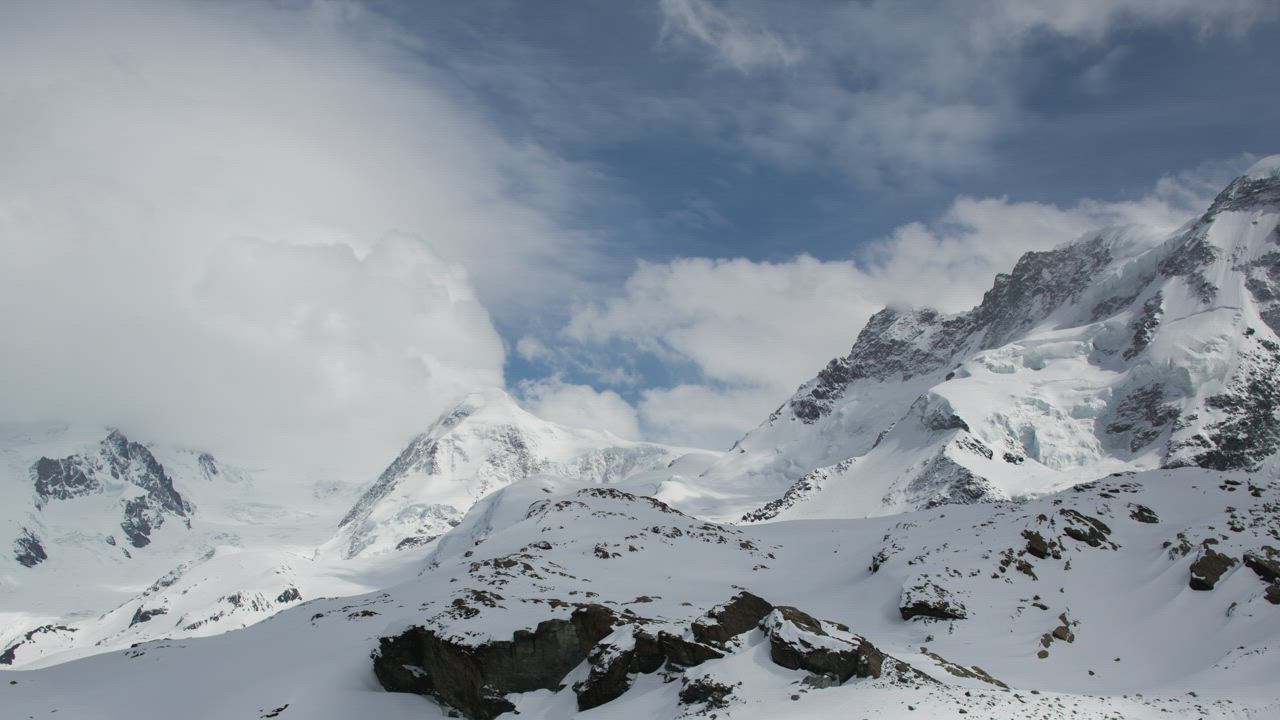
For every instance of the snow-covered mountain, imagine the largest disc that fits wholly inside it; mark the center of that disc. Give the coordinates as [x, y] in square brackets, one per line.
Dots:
[1119, 351]
[1064, 503]
[483, 444]
[117, 542]
[102, 527]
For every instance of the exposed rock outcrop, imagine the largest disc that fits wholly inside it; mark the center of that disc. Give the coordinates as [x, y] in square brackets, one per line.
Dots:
[28, 550]
[117, 460]
[476, 678]
[1086, 529]
[1264, 563]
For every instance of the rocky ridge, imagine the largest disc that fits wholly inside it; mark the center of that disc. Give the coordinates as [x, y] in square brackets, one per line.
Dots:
[1113, 352]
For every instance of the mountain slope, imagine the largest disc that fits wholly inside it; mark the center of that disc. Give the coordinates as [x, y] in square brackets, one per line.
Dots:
[1111, 353]
[1112, 598]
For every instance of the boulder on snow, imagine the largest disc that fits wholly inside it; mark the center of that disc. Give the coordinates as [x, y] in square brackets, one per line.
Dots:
[924, 598]
[724, 622]
[1209, 568]
[799, 641]
[1036, 544]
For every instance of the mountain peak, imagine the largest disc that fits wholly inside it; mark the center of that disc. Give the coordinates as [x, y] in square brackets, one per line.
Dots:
[1268, 168]
[1119, 351]
[484, 443]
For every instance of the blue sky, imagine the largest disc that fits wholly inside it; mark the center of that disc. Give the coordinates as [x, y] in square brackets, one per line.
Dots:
[324, 221]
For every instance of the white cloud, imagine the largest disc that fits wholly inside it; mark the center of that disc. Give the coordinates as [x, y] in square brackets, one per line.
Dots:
[580, 406]
[739, 321]
[702, 415]
[753, 331]
[243, 225]
[533, 349]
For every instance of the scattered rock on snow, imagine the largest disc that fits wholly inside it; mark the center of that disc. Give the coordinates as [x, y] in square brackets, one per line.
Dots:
[799, 641]
[1264, 564]
[924, 598]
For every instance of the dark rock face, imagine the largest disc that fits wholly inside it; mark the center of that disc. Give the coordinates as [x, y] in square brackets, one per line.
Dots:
[1250, 433]
[742, 613]
[939, 422]
[1263, 282]
[421, 453]
[1086, 529]
[802, 489]
[208, 465]
[1040, 283]
[648, 650]
[613, 669]
[135, 462]
[414, 541]
[64, 478]
[1142, 415]
[124, 461]
[1036, 544]
[943, 481]
[1247, 193]
[476, 680]
[11, 653]
[1145, 325]
[610, 676]
[705, 691]
[1143, 514]
[1209, 568]
[902, 344]
[140, 518]
[141, 616]
[1191, 257]
[885, 348]
[27, 549]
[1264, 564]
[798, 641]
[926, 599]
[289, 595]
[684, 653]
